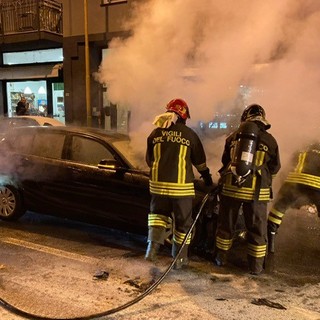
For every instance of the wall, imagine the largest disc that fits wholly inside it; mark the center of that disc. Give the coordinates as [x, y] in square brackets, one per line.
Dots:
[74, 54]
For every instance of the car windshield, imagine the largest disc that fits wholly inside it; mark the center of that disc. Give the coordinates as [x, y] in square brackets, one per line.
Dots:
[135, 158]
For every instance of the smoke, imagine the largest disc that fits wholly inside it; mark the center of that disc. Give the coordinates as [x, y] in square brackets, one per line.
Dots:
[204, 51]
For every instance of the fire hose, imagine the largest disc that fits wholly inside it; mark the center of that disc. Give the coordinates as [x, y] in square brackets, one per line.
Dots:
[27, 315]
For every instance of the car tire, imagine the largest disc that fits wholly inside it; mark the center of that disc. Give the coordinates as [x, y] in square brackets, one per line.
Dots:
[10, 203]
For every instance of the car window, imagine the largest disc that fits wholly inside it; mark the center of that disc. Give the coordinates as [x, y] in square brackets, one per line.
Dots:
[49, 145]
[21, 142]
[88, 151]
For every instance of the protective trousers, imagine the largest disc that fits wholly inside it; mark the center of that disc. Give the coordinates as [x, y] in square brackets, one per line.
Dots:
[255, 217]
[162, 209]
[292, 195]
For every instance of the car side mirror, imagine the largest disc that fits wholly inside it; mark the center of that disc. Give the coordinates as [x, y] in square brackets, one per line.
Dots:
[109, 164]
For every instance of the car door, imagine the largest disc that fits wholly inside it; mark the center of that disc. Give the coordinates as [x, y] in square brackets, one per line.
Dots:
[43, 173]
[103, 188]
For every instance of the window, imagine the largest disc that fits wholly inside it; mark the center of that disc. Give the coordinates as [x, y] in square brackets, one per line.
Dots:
[88, 151]
[213, 125]
[36, 56]
[223, 125]
[48, 145]
[21, 142]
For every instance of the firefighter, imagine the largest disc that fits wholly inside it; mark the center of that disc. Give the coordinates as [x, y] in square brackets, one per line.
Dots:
[301, 187]
[172, 149]
[249, 162]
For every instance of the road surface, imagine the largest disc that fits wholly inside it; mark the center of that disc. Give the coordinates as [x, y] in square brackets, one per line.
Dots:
[58, 269]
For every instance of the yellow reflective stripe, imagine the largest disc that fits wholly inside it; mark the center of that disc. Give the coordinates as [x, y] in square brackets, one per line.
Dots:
[257, 251]
[171, 188]
[275, 220]
[173, 193]
[304, 178]
[277, 213]
[178, 237]
[302, 157]
[245, 193]
[158, 220]
[260, 158]
[155, 165]
[172, 185]
[223, 244]
[182, 164]
[275, 216]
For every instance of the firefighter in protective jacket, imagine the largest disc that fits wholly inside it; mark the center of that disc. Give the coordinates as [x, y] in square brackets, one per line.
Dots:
[172, 151]
[250, 161]
[301, 187]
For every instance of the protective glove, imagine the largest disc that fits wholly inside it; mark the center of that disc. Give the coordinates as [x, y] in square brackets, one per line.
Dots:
[206, 176]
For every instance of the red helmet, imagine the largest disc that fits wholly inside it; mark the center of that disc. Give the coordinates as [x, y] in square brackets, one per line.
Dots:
[179, 107]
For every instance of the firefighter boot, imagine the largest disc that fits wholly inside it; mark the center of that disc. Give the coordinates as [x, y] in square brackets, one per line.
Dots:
[183, 256]
[220, 258]
[256, 265]
[271, 241]
[152, 251]
[272, 231]
[155, 239]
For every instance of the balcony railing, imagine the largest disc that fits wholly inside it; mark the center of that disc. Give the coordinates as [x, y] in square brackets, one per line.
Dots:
[21, 16]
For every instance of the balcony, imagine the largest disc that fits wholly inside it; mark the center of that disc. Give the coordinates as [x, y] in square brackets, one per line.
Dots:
[30, 24]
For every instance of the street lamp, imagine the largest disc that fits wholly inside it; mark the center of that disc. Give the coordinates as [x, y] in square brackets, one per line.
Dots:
[87, 65]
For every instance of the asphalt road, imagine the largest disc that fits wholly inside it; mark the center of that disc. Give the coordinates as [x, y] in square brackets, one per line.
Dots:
[57, 269]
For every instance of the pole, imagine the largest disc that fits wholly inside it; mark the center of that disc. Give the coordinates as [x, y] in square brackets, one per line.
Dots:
[87, 63]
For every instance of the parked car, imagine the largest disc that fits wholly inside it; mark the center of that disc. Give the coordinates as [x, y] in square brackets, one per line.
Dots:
[84, 174]
[19, 121]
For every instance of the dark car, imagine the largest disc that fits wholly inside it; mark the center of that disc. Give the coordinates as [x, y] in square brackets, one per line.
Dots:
[83, 174]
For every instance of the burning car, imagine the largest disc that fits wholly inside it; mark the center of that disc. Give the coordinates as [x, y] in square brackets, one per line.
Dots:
[84, 174]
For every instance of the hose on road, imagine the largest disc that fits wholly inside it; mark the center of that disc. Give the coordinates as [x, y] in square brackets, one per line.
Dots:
[27, 315]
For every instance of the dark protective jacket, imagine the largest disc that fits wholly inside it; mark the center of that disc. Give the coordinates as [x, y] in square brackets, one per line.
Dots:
[257, 185]
[301, 186]
[171, 153]
[307, 171]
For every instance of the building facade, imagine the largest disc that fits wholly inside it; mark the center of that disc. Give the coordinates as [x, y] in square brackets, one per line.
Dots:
[45, 45]
[31, 38]
[103, 23]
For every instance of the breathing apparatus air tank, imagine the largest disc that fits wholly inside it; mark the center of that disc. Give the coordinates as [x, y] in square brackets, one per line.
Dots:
[243, 155]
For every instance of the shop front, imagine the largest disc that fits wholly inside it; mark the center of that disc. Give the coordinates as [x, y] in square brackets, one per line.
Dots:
[40, 81]
[36, 94]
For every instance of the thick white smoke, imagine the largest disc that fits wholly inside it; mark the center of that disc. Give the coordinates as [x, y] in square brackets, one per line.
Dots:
[272, 46]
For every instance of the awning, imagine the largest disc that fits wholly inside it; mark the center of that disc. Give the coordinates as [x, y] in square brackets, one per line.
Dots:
[30, 72]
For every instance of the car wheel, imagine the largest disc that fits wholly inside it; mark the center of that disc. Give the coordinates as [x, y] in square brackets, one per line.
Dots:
[10, 203]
